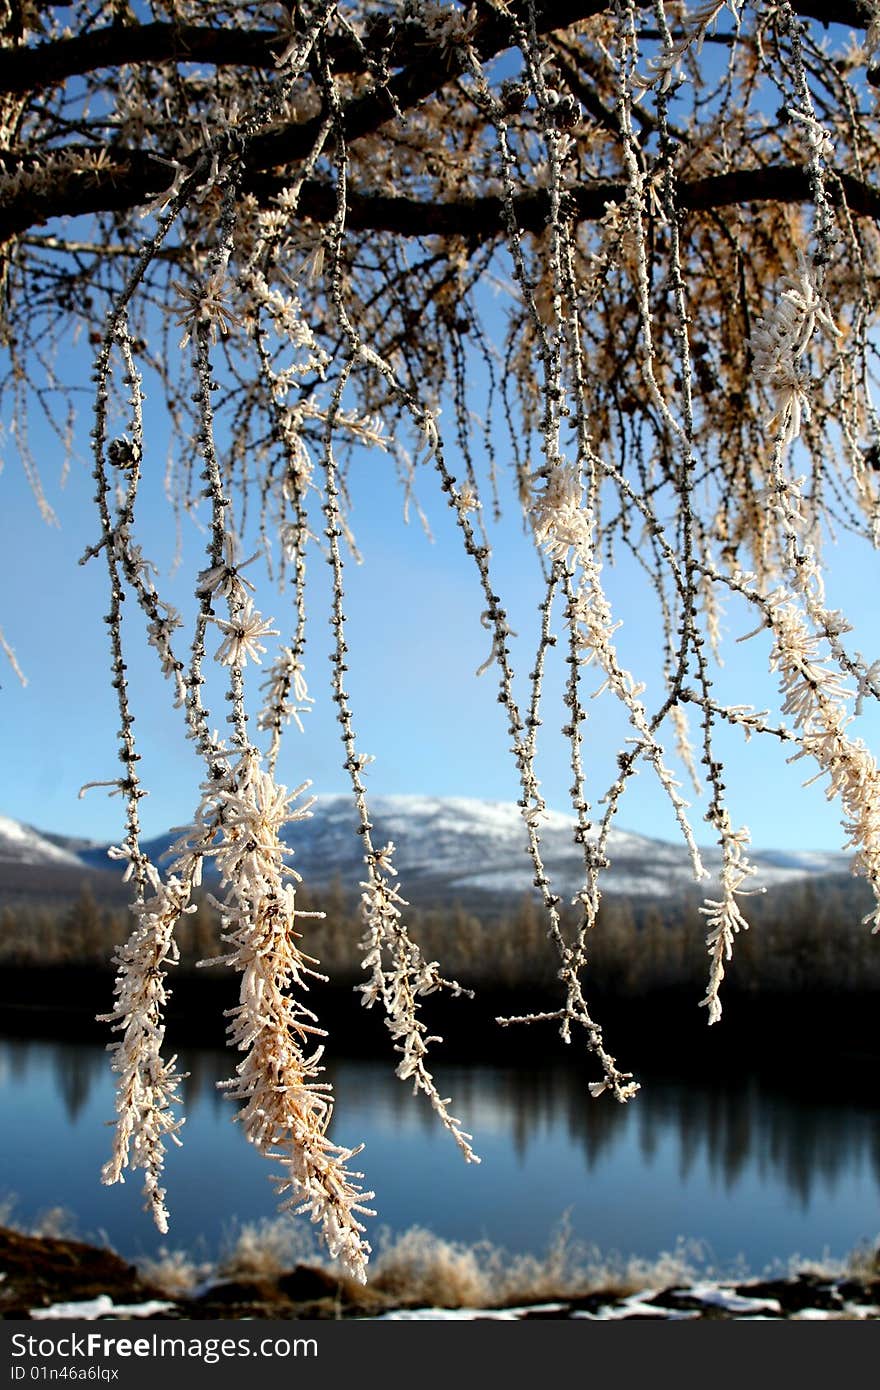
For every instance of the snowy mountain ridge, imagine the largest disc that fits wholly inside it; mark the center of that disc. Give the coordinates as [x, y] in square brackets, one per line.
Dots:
[21, 844]
[455, 844]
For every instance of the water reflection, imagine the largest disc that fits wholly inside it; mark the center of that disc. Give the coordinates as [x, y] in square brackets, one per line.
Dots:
[735, 1128]
[74, 1067]
[739, 1136]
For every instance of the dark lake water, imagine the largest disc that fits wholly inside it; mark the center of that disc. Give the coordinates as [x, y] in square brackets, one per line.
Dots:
[747, 1169]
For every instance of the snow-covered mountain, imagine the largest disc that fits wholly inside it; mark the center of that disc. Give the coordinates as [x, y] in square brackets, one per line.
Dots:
[449, 845]
[21, 844]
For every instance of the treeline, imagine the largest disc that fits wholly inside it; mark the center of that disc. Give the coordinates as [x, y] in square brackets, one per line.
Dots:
[805, 937]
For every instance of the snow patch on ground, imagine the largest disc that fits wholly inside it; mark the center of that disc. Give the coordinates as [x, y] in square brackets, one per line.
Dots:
[448, 1315]
[102, 1307]
[717, 1296]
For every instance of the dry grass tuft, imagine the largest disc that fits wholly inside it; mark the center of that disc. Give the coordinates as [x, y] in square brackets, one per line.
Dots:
[416, 1268]
[419, 1268]
[262, 1249]
[175, 1272]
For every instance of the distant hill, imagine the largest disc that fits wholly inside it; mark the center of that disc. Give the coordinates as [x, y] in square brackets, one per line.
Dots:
[447, 847]
[42, 870]
[21, 844]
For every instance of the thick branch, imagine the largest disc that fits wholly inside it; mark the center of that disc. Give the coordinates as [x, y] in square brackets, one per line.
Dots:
[481, 219]
[428, 73]
[855, 14]
[25, 70]
[35, 67]
[133, 178]
[136, 177]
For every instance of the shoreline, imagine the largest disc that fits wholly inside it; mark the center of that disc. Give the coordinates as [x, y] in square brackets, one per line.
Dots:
[50, 1277]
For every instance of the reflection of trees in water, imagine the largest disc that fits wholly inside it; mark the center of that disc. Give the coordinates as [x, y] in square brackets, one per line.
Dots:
[373, 1088]
[20, 1053]
[817, 1143]
[203, 1068]
[733, 1127]
[525, 1103]
[76, 1070]
[529, 1104]
[74, 1067]
[742, 1128]
[722, 1122]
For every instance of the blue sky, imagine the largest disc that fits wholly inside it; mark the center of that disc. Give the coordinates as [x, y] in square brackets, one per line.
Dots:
[416, 642]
